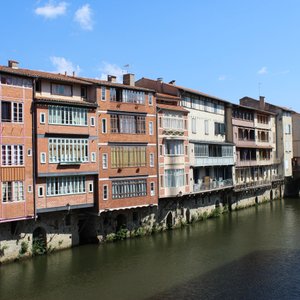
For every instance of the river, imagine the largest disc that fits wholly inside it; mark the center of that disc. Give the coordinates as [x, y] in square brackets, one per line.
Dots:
[249, 254]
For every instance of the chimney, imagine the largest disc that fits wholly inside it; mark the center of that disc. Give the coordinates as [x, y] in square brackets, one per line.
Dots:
[172, 82]
[112, 78]
[160, 79]
[262, 102]
[128, 79]
[74, 74]
[13, 64]
[65, 73]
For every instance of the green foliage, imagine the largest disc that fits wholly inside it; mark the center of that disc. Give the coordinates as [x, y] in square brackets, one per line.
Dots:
[24, 248]
[38, 247]
[2, 250]
[110, 237]
[217, 212]
[122, 234]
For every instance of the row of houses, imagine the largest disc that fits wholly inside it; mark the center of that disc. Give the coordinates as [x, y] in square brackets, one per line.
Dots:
[79, 150]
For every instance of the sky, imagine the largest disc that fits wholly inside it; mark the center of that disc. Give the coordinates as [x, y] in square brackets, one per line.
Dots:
[229, 49]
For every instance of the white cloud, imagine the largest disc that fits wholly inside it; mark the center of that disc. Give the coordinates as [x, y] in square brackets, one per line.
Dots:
[63, 65]
[222, 77]
[111, 69]
[83, 16]
[51, 11]
[262, 71]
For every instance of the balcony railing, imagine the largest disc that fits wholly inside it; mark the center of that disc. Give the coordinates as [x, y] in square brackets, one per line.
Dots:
[257, 183]
[214, 184]
[213, 161]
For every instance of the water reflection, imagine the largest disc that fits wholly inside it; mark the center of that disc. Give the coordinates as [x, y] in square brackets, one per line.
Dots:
[249, 253]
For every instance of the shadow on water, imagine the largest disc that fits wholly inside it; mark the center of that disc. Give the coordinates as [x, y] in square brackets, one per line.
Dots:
[259, 275]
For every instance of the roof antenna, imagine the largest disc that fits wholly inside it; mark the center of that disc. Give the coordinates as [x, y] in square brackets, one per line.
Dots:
[126, 67]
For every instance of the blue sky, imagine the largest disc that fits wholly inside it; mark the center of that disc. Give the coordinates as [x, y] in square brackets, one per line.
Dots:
[229, 49]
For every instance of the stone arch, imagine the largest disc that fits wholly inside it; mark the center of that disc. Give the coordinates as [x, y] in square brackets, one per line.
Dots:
[121, 222]
[217, 204]
[39, 241]
[169, 220]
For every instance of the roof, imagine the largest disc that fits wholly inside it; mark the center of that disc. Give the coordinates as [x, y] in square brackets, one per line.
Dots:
[171, 107]
[115, 84]
[167, 97]
[42, 74]
[65, 102]
[254, 109]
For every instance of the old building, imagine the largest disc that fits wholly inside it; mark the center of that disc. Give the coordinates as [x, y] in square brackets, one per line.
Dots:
[16, 169]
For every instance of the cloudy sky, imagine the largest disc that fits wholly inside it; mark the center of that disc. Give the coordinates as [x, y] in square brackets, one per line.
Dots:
[229, 49]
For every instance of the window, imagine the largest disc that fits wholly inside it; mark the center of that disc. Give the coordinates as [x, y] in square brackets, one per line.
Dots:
[92, 121]
[128, 124]
[38, 86]
[65, 185]
[12, 191]
[12, 155]
[11, 80]
[288, 129]
[68, 150]
[105, 192]
[103, 93]
[29, 152]
[173, 121]
[103, 123]
[129, 188]
[174, 178]
[104, 161]
[152, 189]
[112, 94]
[129, 96]
[152, 160]
[227, 151]
[61, 89]
[29, 188]
[219, 128]
[91, 187]
[206, 127]
[194, 125]
[41, 191]
[43, 157]
[201, 150]
[65, 115]
[42, 118]
[150, 99]
[93, 157]
[173, 147]
[128, 156]
[151, 128]
[11, 112]
[83, 92]
[160, 150]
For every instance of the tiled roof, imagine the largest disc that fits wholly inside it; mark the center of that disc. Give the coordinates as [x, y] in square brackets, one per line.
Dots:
[115, 84]
[167, 96]
[171, 107]
[42, 74]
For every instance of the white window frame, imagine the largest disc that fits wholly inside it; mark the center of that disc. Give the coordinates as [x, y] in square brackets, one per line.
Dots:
[103, 125]
[151, 130]
[194, 125]
[42, 118]
[91, 187]
[93, 157]
[151, 159]
[92, 121]
[41, 192]
[206, 127]
[29, 152]
[152, 188]
[12, 155]
[43, 157]
[150, 99]
[65, 185]
[104, 161]
[103, 89]
[105, 191]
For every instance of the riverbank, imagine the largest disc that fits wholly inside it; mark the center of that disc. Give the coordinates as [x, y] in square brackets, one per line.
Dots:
[60, 230]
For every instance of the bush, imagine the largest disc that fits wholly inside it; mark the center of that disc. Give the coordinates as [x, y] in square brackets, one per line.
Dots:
[38, 247]
[24, 248]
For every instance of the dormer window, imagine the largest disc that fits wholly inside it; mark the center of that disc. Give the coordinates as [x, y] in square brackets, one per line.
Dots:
[61, 89]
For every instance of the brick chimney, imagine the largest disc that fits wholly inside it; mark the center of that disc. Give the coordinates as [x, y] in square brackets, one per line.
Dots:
[262, 102]
[111, 78]
[128, 79]
[13, 64]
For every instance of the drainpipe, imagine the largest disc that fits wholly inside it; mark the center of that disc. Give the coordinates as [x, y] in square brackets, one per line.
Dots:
[34, 157]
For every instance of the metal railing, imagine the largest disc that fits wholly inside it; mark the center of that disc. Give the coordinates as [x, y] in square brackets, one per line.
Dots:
[214, 184]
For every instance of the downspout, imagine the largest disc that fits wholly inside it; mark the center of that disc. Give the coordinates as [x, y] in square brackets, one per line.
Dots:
[34, 160]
